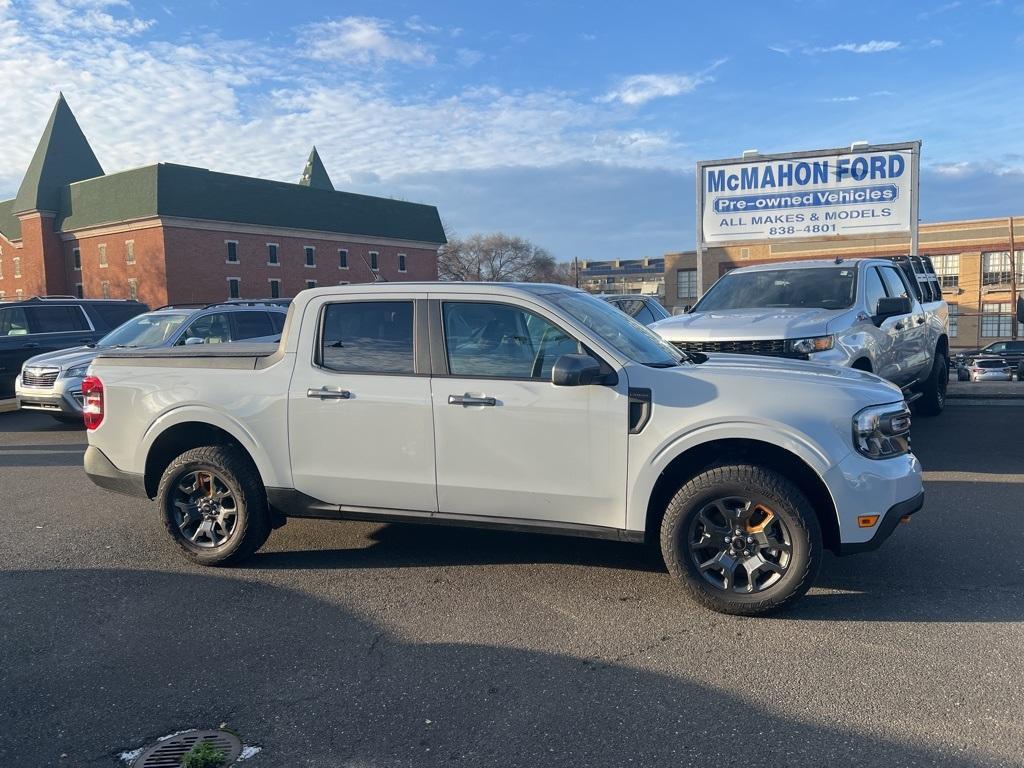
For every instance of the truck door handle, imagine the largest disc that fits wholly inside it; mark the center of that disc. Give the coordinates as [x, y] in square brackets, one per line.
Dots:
[470, 400]
[328, 393]
[920, 321]
[898, 326]
[31, 345]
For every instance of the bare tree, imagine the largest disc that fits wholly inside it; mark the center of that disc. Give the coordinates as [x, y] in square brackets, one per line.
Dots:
[498, 257]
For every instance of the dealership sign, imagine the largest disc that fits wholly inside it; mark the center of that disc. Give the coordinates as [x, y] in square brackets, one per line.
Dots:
[864, 190]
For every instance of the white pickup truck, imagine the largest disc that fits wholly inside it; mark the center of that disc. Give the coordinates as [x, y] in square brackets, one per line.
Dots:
[879, 315]
[523, 407]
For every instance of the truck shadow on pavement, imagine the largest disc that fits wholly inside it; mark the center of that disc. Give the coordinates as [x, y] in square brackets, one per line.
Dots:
[36, 455]
[98, 661]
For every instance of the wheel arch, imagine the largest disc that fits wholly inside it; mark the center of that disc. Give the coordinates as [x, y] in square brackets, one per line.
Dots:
[863, 364]
[178, 432]
[696, 459]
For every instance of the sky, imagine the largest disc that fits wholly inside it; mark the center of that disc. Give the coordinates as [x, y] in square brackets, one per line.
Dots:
[574, 124]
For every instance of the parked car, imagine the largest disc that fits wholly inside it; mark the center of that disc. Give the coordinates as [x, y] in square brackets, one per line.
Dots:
[522, 407]
[1010, 351]
[47, 323]
[52, 382]
[990, 369]
[643, 309]
[878, 315]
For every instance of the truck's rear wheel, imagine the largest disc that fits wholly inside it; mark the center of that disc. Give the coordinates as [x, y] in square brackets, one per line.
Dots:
[214, 505]
[933, 391]
[742, 539]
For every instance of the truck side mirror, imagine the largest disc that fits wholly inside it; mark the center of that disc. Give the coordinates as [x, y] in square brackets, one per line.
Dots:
[891, 306]
[575, 371]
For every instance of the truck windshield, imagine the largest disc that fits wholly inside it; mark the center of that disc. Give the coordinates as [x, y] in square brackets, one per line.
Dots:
[143, 331]
[621, 332]
[823, 287]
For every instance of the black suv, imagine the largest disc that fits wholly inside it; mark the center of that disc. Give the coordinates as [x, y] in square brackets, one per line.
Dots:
[43, 324]
[1010, 351]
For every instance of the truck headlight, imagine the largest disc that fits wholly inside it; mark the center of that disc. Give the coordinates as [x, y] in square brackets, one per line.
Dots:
[78, 372]
[812, 344]
[882, 431]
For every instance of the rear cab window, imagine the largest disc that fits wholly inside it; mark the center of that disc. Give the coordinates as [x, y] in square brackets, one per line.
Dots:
[67, 318]
[367, 337]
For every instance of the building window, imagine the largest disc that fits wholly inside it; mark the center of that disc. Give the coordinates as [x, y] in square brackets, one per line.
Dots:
[17, 266]
[20, 293]
[310, 256]
[947, 267]
[995, 267]
[105, 289]
[101, 249]
[272, 254]
[275, 289]
[133, 289]
[76, 259]
[3, 294]
[374, 261]
[129, 251]
[997, 320]
[1, 269]
[686, 283]
[232, 251]
[343, 258]
[401, 262]
[234, 287]
[954, 319]
[79, 291]
[311, 283]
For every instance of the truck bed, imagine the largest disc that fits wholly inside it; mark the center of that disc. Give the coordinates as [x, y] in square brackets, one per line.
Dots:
[237, 356]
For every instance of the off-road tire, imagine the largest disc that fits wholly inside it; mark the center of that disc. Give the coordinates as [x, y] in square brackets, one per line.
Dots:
[933, 390]
[253, 521]
[761, 485]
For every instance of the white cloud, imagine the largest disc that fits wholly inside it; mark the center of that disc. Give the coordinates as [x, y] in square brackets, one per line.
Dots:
[88, 16]
[468, 57]
[639, 89]
[842, 99]
[872, 46]
[925, 15]
[239, 107]
[362, 40]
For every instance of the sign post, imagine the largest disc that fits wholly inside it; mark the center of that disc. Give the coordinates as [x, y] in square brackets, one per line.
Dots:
[857, 192]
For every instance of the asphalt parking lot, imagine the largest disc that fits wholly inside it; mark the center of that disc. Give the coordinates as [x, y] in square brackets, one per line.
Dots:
[353, 644]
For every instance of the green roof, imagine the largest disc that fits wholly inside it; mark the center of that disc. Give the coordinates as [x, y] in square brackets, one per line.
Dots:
[314, 174]
[196, 193]
[10, 227]
[62, 156]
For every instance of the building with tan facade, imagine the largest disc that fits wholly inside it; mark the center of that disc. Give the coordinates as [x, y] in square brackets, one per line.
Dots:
[972, 258]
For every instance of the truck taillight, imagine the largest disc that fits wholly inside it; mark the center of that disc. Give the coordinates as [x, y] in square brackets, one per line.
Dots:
[92, 401]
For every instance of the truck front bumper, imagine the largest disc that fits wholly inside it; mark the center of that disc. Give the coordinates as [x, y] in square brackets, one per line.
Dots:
[103, 473]
[889, 488]
[883, 530]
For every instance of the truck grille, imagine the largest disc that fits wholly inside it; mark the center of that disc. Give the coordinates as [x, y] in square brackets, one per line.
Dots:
[769, 347]
[39, 377]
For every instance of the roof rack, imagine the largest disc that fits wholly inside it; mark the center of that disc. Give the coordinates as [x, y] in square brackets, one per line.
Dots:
[250, 303]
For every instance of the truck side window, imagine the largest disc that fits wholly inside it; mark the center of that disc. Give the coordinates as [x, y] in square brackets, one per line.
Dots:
[873, 289]
[501, 341]
[212, 329]
[894, 282]
[367, 337]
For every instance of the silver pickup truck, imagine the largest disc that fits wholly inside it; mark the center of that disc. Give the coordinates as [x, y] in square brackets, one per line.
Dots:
[883, 316]
[521, 407]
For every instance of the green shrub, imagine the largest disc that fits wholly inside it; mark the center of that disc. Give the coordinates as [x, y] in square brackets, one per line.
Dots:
[204, 755]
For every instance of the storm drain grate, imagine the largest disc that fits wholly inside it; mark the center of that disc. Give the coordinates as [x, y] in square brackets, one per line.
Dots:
[168, 753]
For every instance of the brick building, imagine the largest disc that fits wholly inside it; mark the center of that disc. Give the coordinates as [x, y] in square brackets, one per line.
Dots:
[170, 233]
[972, 258]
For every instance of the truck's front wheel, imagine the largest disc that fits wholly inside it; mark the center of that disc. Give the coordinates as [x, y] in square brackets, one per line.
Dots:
[742, 539]
[214, 505]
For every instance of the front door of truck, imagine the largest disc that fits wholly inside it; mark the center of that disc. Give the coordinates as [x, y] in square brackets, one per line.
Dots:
[360, 429]
[510, 443]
